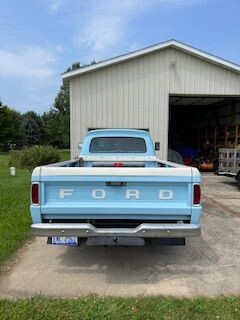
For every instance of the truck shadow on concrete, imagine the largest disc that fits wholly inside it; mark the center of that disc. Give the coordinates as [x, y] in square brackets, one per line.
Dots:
[139, 264]
[201, 256]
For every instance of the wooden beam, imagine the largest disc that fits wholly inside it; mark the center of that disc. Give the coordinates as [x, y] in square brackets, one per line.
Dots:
[236, 135]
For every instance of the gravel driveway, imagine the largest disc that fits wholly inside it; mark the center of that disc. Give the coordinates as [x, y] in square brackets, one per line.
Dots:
[207, 265]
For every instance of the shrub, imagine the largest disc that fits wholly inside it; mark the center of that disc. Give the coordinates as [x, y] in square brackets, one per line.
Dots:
[33, 157]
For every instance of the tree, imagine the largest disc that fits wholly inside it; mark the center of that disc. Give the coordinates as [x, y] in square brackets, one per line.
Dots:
[74, 66]
[11, 128]
[77, 65]
[34, 131]
[57, 120]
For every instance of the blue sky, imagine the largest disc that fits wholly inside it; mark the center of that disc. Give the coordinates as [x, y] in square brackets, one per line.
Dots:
[41, 38]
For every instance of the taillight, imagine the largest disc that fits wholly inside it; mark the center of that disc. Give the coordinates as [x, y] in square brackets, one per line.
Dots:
[35, 194]
[196, 194]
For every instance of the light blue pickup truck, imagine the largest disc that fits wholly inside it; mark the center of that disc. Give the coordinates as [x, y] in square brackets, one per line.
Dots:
[117, 192]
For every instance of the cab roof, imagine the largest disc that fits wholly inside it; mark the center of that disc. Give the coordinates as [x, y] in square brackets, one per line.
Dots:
[118, 132]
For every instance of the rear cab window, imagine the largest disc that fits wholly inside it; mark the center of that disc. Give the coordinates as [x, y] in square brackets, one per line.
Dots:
[118, 145]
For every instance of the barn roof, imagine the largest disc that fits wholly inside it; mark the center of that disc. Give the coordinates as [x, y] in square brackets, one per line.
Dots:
[163, 45]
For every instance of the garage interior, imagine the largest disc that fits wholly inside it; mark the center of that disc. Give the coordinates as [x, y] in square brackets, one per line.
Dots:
[203, 124]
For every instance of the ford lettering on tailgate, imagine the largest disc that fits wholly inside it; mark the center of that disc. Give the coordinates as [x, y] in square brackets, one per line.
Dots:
[162, 194]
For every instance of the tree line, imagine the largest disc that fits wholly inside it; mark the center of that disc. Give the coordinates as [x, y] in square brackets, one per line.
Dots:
[20, 130]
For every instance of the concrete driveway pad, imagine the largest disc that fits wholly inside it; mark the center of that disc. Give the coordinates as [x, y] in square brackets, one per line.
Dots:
[208, 265]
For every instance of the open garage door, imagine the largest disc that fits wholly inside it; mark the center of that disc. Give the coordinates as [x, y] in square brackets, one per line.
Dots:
[200, 125]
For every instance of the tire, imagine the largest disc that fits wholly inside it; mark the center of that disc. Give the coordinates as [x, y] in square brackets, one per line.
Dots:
[238, 179]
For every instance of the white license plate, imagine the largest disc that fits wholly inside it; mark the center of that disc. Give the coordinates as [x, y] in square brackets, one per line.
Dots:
[70, 241]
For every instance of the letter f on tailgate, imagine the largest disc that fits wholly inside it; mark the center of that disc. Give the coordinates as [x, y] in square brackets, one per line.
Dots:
[65, 192]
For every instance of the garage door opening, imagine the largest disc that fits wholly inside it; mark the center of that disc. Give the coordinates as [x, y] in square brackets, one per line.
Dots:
[203, 124]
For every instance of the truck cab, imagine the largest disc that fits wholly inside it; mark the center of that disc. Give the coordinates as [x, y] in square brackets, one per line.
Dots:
[118, 147]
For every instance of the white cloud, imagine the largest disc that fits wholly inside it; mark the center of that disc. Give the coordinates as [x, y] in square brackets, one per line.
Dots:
[53, 6]
[32, 61]
[178, 3]
[29, 77]
[107, 23]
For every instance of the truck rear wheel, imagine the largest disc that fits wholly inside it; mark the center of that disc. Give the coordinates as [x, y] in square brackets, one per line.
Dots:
[238, 179]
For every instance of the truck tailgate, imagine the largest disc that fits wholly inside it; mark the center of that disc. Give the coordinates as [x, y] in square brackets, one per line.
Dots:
[115, 193]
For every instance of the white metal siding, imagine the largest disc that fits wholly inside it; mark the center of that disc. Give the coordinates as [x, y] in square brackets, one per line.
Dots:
[135, 93]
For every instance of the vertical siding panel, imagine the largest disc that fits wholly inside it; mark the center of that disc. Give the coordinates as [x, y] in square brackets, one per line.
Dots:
[116, 105]
[228, 84]
[114, 98]
[94, 99]
[82, 103]
[104, 100]
[107, 113]
[146, 90]
[150, 88]
[150, 96]
[234, 84]
[72, 111]
[131, 94]
[205, 83]
[77, 102]
[73, 117]
[141, 92]
[125, 96]
[77, 116]
[191, 74]
[120, 104]
[128, 72]
[195, 79]
[88, 107]
[98, 101]
[186, 74]
[212, 76]
[156, 90]
[220, 80]
[222, 84]
[237, 84]
[176, 72]
[112, 117]
[186, 79]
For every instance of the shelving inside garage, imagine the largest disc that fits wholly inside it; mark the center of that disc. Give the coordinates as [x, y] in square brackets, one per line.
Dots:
[204, 122]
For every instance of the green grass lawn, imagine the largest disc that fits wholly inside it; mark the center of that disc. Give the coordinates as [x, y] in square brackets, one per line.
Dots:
[92, 307]
[64, 154]
[14, 206]
[14, 230]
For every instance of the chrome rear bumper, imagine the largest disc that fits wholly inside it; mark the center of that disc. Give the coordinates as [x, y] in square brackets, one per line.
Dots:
[144, 230]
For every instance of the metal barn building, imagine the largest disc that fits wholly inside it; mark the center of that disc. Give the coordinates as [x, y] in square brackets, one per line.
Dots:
[182, 95]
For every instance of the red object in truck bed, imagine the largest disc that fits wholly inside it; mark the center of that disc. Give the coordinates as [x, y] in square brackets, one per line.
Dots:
[187, 161]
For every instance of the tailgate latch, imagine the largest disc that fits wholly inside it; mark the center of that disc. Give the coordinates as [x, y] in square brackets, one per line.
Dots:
[116, 184]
